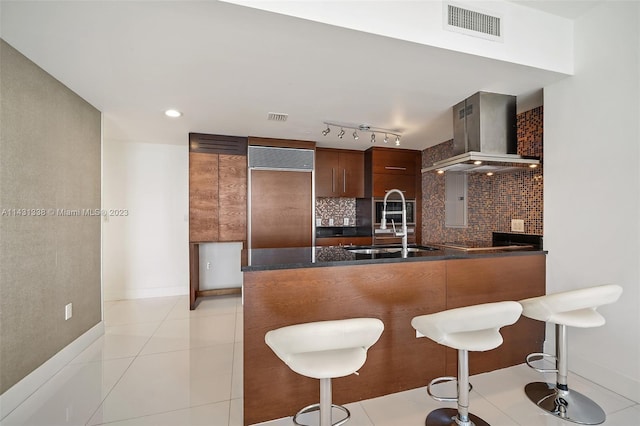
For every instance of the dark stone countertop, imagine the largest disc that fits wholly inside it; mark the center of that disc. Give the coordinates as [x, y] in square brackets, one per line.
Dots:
[313, 257]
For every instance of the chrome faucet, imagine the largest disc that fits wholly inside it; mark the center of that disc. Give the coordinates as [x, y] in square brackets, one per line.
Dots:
[383, 224]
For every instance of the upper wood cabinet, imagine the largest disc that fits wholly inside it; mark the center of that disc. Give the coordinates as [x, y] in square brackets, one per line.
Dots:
[217, 188]
[389, 168]
[339, 173]
[203, 197]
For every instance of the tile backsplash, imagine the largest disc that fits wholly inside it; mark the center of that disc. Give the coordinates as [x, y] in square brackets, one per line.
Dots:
[492, 200]
[336, 209]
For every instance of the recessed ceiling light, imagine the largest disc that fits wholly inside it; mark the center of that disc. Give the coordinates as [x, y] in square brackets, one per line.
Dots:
[173, 113]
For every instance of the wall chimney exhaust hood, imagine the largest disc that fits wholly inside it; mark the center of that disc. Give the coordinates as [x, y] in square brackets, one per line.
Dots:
[484, 137]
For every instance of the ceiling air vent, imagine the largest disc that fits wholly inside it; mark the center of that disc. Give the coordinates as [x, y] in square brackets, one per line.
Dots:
[472, 22]
[276, 116]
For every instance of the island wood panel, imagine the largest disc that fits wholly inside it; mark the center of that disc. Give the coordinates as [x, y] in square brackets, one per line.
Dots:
[203, 197]
[392, 292]
[232, 199]
[496, 279]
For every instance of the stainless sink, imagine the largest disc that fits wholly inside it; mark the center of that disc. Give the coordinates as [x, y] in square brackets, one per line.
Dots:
[374, 250]
[419, 249]
[387, 250]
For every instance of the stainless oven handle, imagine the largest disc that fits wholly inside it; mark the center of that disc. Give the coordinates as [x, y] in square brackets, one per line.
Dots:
[394, 168]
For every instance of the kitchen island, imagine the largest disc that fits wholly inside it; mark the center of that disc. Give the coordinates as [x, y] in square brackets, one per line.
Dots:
[295, 285]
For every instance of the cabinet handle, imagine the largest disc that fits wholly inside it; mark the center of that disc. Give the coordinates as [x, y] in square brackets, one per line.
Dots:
[394, 168]
[344, 180]
[333, 180]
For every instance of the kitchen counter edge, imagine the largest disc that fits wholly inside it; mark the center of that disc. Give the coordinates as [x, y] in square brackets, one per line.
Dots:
[287, 253]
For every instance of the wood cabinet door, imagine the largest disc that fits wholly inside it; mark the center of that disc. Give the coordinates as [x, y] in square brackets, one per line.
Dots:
[327, 172]
[281, 209]
[394, 162]
[382, 183]
[351, 179]
[232, 182]
[203, 197]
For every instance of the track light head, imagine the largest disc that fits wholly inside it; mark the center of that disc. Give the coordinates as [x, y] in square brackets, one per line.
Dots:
[373, 138]
[386, 138]
[355, 136]
[326, 131]
[397, 140]
[341, 133]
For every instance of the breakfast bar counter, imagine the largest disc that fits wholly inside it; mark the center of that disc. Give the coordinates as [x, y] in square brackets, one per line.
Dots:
[313, 257]
[291, 286]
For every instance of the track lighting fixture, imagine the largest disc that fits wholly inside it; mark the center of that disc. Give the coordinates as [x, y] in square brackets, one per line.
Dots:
[362, 128]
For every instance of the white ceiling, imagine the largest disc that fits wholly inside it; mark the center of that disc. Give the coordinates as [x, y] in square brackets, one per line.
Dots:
[226, 67]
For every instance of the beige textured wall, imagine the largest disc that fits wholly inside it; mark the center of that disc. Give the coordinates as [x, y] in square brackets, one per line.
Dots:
[49, 160]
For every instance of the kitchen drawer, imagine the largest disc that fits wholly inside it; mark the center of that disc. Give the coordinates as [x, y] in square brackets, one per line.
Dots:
[395, 162]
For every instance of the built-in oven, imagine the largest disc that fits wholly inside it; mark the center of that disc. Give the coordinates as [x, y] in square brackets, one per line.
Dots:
[394, 221]
[394, 207]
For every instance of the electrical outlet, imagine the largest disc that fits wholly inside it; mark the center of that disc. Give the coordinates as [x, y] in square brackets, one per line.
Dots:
[68, 311]
[208, 265]
[346, 221]
[517, 225]
[330, 222]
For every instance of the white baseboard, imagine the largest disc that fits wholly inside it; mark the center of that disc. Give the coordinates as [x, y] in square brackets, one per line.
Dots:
[626, 386]
[19, 392]
[143, 293]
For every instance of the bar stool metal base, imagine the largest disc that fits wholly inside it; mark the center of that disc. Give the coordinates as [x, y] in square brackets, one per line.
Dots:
[448, 417]
[316, 407]
[566, 405]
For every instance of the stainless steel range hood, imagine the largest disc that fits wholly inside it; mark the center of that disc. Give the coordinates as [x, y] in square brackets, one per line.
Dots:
[484, 137]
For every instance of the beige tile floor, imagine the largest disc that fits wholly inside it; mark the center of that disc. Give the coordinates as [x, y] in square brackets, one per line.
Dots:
[160, 364]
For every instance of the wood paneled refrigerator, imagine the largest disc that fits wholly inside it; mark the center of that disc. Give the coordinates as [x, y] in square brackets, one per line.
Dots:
[281, 199]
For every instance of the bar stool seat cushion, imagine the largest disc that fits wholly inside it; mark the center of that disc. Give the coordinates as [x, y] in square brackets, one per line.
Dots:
[325, 349]
[574, 308]
[471, 328]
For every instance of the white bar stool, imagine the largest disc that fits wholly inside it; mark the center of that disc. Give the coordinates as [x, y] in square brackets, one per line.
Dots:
[576, 308]
[324, 350]
[472, 328]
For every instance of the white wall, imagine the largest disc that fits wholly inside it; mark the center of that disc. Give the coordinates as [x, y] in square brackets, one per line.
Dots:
[145, 254]
[422, 22]
[592, 190]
